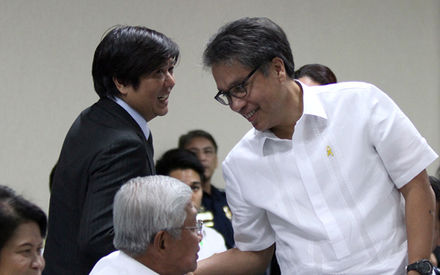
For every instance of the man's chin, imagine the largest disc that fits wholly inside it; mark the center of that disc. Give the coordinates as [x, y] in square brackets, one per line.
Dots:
[208, 177]
[259, 127]
[163, 112]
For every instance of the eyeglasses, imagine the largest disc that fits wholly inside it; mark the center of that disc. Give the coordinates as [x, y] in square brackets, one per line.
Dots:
[198, 229]
[238, 91]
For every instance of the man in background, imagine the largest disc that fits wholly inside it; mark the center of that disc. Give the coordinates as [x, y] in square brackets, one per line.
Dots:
[108, 144]
[214, 205]
[315, 74]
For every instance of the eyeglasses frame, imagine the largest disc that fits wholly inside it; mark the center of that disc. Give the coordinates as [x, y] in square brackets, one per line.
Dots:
[228, 94]
[198, 229]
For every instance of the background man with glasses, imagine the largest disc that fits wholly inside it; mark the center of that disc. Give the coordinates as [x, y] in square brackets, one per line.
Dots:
[156, 231]
[323, 170]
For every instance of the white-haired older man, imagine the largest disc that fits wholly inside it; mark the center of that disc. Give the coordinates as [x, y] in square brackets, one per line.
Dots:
[156, 231]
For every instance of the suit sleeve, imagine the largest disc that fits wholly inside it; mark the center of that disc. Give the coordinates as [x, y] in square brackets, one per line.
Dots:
[112, 167]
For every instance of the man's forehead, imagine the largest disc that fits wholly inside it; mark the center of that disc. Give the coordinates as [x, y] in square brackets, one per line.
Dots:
[195, 142]
[168, 63]
[228, 74]
[201, 148]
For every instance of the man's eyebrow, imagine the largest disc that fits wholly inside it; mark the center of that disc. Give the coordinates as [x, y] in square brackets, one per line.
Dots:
[233, 84]
[26, 244]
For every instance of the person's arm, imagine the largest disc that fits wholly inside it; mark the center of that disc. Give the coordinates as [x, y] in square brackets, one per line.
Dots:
[419, 214]
[123, 160]
[236, 262]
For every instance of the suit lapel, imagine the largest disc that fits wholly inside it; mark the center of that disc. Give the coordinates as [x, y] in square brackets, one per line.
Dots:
[124, 117]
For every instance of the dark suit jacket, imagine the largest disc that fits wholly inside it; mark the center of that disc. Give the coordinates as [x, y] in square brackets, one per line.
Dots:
[103, 149]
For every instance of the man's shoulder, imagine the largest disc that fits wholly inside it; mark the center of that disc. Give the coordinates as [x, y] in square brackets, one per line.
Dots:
[342, 90]
[113, 263]
[104, 119]
[348, 96]
[97, 132]
[118, 263]
[217, 191]
[249, 143]
[109, 113]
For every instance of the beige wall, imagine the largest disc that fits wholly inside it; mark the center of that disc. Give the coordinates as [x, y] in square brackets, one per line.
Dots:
[46, 50]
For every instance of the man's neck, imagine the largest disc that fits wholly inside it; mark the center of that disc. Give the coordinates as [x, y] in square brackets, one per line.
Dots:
[207, 187]
[153, 261]
[294, 112]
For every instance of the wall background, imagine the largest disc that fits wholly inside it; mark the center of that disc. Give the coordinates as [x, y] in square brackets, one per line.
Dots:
[46, 50]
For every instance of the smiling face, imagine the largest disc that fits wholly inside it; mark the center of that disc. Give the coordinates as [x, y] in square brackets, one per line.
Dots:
[150, 98]
[268, 103]
[21, 254]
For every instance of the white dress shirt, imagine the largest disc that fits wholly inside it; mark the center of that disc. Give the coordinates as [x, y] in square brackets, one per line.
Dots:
[212, 242]
[119, 263]
[329, 197]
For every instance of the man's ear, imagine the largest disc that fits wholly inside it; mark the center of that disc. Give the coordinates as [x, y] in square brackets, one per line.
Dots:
[121, 87]
[278, 66]
[159, 242]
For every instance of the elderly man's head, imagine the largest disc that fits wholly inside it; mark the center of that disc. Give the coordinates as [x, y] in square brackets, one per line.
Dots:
[155, 223]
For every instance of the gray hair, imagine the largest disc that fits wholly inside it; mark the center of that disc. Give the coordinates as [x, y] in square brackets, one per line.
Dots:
[253, 42]
[144, 206]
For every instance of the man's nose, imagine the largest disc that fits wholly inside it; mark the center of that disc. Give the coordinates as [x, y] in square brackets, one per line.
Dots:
[170, 80]
[237, 104]
[38, 262]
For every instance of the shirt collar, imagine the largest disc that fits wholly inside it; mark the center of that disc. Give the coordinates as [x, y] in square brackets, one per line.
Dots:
[312, 107]
[312, 104]
[135, 115]
[135, 266]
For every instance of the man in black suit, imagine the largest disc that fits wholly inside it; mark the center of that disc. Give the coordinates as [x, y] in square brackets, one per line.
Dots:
[108, 144]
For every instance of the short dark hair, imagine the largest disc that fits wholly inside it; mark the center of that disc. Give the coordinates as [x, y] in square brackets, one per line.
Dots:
[319, 73]
[186, 138]
[179, 159]
[253, 42]
[14, 211]
[127, 53]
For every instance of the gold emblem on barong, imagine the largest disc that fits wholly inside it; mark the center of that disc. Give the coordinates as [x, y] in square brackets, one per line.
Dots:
[329, 151]
[227, 211]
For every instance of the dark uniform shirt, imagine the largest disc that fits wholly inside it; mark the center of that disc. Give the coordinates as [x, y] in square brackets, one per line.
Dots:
[215, 213]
